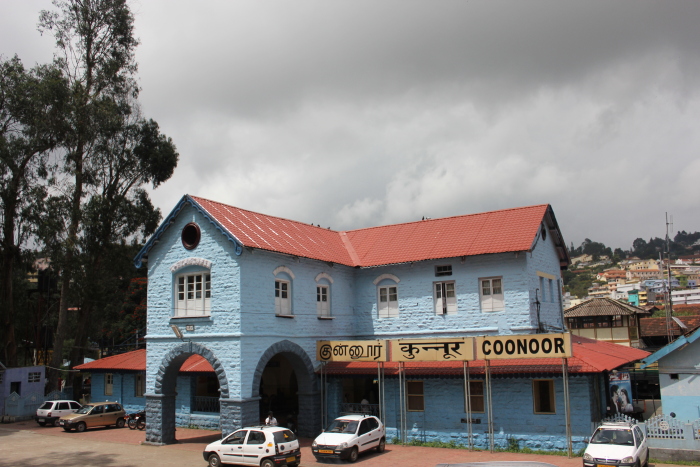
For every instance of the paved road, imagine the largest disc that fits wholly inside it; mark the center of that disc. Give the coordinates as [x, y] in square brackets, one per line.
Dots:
[25, 444]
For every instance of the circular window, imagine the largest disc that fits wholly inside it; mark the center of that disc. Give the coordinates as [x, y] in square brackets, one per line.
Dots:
[190, 236]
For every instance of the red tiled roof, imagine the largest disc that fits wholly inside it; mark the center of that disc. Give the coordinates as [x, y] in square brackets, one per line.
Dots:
[502, 231]
[136, 361]
[589, 356]
[650, 327]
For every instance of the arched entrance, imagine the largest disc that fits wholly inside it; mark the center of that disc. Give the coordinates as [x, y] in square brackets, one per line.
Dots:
[286, 383]
[160, 406]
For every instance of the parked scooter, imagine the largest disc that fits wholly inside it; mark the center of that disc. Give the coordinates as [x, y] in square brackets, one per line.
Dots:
[133, 420]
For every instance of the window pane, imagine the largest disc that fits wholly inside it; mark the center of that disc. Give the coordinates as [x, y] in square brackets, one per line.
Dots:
[486, 287]
[438, 290]
[383, 294]
[393, 296]
[450, 290]
[496, 285]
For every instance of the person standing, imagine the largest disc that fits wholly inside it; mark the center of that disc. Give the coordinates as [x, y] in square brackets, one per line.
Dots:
[270, 420]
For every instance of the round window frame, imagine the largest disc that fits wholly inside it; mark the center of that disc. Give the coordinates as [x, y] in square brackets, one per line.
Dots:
[197, 234]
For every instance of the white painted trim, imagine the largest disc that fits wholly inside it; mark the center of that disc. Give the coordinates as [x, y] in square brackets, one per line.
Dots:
[280, 269]
[323, 275]
[183, 263]
[386, 276]
[546, 276]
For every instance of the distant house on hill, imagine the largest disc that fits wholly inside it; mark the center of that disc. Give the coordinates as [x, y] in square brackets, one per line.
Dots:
[606, 320]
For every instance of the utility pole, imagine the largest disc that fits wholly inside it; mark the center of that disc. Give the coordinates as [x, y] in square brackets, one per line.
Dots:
[669, 300]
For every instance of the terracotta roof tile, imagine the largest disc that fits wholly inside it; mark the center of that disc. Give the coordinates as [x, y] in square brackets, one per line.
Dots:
[136, 361]
[650, 327]
[502, 231]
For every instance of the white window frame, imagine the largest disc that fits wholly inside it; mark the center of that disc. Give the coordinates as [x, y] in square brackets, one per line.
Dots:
[192, 294]
[488, 300]
[109, 384]
[444, 298]
[386, 307]
[34, 377]
[323, 300]
[283, 297]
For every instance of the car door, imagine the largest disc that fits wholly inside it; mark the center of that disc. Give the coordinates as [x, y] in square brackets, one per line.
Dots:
[95, 417]
[367, 435]
[254, 447]
[642, 449]
[232, 448]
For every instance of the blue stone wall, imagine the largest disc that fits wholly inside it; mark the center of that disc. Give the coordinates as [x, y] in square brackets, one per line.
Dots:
[544, 258]
[416, 310]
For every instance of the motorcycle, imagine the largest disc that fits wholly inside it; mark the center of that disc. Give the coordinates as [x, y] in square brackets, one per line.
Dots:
[133, 420]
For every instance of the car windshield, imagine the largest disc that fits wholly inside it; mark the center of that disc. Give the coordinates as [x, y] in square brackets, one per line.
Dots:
[85, 409]
[46, 406]
[620, 437]
[284, 436]
[342, 426]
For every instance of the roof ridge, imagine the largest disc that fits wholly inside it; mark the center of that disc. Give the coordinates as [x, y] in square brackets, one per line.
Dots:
[448, 217]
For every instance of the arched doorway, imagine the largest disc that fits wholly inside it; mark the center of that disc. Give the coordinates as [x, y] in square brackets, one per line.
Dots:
[286, 383]
[160, 406]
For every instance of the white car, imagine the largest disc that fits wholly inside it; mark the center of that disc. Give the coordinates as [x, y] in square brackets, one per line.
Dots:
[264, 446]
[51, 411]
[348, 436]
[618, 444]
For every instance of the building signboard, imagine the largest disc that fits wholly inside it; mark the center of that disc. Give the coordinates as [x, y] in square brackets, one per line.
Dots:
[432, 350]
[524, 346]
[351, 351]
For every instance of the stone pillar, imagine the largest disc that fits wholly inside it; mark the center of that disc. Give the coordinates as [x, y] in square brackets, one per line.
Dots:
[160, 419]
[309, 420]
[237, 413]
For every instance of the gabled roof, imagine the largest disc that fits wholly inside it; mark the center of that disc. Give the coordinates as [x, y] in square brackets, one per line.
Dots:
[136, 361]
[589, 356]
[603, 307]
[508, 230]
[673, 346]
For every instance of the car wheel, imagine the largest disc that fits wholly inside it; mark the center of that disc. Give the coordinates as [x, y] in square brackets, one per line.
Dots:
[81, 427]
[353, 455]
[382, 445]
[267, 463]
[42, 423]
[57, 422]
[214, 460]
[120, 422]
[67, 429]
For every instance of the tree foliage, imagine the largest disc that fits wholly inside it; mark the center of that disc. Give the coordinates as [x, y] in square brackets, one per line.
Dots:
[31, 106]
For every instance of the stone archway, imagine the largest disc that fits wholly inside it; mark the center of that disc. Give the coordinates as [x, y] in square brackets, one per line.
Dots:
[160, 406]
[309, 420]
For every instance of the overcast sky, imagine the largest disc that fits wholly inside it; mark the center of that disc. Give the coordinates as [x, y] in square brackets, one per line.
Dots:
[352, 114]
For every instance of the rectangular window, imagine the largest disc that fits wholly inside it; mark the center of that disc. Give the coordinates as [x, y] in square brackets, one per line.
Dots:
[445, 299]
[34, 377]
[443, 270]
[476, 396]
[617, 321]
[543, 293]
[283, 304]
[491, 292]
[323, 304]
[551, 290]
[193, 295]
[109, 384]
[2, 376]
[588, 322]
[604, 321]
[414, 396]
[140, 385]
[388, 302]
[543, 396]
